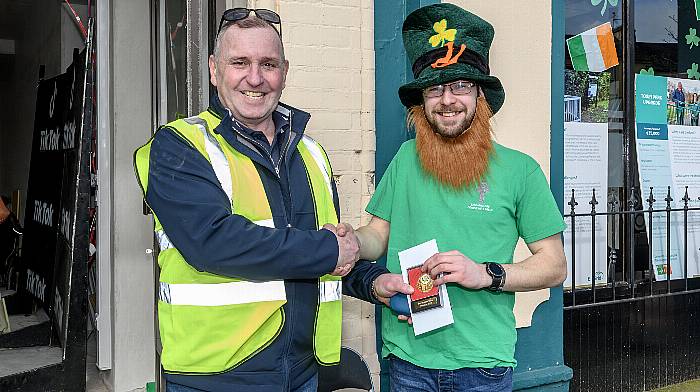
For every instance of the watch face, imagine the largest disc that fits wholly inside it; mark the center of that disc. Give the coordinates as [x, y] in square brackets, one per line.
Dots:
[495, 269]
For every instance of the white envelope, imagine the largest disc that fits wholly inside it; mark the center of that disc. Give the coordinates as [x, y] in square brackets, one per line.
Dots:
[430, 319]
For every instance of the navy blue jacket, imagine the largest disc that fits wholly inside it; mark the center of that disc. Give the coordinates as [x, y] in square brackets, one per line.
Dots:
[185, 194]
[678, 97]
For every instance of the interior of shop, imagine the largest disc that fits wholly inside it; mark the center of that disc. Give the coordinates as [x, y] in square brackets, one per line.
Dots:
[38, 40]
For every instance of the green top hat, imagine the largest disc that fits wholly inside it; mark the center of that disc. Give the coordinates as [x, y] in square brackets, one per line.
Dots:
[446, 43]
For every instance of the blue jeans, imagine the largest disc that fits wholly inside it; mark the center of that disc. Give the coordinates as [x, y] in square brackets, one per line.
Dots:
[309, 386]
[407, 377]
[170, 387]
[680, 109]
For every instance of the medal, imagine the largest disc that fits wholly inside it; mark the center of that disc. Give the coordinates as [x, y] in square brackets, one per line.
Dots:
[425, 283]
[425, 294]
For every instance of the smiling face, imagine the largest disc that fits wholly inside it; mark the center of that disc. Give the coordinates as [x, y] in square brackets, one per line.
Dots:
[249, 73]
[449, 114]
[455, 161]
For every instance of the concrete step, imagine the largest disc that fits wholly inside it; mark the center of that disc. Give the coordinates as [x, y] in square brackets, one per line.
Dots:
[28, 330]
[18, 360]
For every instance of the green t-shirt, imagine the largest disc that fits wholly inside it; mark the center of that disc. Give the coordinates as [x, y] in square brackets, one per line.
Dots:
[484, 223]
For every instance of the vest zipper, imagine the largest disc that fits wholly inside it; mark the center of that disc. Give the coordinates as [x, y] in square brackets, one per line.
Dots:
[290, 332]
[286, 147]
[283, 152]
[262, 149]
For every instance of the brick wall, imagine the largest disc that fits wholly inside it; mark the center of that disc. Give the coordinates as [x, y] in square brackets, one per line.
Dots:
[330, 48]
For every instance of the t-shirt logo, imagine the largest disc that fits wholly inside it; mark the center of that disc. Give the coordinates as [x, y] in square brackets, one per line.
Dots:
[483, 189]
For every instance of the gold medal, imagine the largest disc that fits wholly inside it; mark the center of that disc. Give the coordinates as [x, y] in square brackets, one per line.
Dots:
[425, 283]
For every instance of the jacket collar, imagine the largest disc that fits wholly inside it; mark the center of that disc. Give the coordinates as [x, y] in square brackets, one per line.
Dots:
[299, 117]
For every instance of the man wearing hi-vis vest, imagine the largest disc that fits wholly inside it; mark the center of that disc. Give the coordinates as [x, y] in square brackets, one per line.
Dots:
[245, 210]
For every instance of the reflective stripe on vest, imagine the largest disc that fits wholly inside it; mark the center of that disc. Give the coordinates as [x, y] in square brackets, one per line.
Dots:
[163, 240]
[318, 156]
[330, 291]
[266, 223]
[218, 294]
[216, 155]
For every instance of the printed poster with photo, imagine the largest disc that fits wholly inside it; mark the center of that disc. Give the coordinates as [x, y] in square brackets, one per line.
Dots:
[587, 102]
[586, 169]
[668, 144]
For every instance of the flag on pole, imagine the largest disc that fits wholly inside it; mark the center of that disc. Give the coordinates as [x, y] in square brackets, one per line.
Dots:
[593, 50]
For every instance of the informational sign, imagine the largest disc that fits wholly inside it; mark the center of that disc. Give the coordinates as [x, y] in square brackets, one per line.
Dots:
[52, 189]
[585, 170]
[668, 144]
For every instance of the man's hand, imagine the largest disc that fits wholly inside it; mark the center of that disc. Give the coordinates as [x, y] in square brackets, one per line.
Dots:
[456, 268]
[343, 229]
[348, 250]
[388, 285]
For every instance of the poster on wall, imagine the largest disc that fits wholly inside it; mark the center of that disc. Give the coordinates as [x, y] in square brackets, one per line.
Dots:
[586, 169]
[51, 192]
[668, 144]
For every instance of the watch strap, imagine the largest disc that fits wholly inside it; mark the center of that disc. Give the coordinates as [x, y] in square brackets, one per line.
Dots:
[498, 280]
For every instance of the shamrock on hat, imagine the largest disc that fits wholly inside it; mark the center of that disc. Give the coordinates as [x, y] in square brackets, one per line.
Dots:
[445, 43]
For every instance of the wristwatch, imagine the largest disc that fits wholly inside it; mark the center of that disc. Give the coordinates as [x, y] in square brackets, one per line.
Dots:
[498, 274]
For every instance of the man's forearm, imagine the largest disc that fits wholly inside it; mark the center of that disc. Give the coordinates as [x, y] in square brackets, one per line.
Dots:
[358, 283]
[545, 268]
[537, 272]
[372, 243]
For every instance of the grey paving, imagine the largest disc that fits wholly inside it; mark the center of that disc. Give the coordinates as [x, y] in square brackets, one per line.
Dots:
[16, 360]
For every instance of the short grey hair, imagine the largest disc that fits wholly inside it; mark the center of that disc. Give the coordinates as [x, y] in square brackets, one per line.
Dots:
[247, 23]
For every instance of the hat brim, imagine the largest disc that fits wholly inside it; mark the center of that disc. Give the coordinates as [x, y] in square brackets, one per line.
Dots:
[411, 94]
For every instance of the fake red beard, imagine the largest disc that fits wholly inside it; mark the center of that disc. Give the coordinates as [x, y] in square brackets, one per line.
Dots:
[458, 162]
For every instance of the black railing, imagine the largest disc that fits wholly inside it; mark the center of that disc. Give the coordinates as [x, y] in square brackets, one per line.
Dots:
[627, 287]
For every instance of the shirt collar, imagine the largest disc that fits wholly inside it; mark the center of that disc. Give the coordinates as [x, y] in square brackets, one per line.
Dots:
[300, 117]
[280, 120]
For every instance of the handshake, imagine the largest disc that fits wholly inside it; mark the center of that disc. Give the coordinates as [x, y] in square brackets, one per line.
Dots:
[348, 247]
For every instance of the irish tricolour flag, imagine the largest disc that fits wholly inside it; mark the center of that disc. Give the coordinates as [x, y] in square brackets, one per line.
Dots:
[593, 50]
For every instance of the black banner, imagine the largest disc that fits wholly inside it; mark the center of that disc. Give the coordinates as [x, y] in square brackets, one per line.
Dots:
[57, 221]
[51, 192]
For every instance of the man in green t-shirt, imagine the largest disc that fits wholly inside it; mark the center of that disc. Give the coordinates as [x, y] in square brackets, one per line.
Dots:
[454, 184]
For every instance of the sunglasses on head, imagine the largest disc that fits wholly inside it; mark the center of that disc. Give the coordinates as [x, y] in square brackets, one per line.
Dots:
[235, 14]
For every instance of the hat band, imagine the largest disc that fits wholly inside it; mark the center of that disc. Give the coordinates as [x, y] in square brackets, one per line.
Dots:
[468, 57]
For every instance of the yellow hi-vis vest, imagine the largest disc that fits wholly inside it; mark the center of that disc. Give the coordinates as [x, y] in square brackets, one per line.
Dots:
[211, 323]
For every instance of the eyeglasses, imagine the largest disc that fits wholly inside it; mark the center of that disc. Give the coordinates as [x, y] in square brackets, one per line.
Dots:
[460, 87]
[235, 14]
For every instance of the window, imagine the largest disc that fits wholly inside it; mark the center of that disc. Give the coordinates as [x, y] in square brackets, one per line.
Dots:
[593, 140]
[611, 250]
[182, 72]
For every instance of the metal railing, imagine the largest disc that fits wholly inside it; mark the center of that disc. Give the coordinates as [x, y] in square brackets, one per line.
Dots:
[572, 108]
[629, 288]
